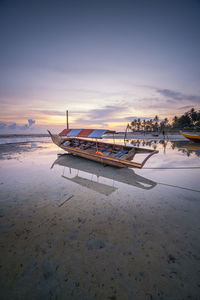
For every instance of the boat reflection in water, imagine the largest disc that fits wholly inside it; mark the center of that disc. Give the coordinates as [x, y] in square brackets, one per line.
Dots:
[83, 172]
[191, 147]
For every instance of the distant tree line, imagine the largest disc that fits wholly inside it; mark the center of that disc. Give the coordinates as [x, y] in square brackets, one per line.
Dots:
[189, 120]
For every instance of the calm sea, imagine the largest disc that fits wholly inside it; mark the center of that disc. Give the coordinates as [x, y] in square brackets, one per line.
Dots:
[17, 138]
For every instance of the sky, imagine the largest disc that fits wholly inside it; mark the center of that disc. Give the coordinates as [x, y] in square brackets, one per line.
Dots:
[107, 62]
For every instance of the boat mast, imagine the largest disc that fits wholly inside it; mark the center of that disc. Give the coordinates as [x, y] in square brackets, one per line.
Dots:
[67, 123]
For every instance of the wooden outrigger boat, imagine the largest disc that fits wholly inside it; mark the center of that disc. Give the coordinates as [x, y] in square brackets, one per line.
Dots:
[84, 143]
[192, 137]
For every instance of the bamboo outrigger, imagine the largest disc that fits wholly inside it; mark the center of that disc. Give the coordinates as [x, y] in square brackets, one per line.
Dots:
[192, 137]
[80, 142]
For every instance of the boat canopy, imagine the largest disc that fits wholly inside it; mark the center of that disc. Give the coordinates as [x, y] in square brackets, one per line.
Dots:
[86, 133]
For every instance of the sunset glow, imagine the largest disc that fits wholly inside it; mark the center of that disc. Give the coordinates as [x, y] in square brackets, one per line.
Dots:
[107, 63]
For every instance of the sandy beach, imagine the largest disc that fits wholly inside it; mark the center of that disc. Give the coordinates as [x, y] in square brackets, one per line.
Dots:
[74, 229]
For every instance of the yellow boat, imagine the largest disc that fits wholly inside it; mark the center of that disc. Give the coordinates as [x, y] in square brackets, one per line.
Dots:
[192, 137]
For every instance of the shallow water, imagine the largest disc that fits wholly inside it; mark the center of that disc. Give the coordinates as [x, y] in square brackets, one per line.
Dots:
[74, 229]
[23, 139]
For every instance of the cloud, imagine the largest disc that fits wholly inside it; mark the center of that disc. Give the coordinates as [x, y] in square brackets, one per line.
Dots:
[24, 127]
[3, 125]
[91, 123]
[12, 126]
[153, 104]
[103, 116]
[50, 112]
[107, 112]
[170, 94]
[31, 122]
[15, 126]
[185, 107]
[177, 96]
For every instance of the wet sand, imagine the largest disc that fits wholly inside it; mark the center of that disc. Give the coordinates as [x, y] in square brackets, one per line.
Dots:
[73, 229]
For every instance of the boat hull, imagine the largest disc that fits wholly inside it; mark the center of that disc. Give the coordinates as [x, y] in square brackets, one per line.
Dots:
[192, 137]
[101, 159]
[96, 156]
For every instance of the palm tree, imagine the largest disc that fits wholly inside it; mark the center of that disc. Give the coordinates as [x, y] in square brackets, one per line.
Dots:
[138, 124]
[151, 124]
[134, 124]
[156, 118]
[147, 125]
[193, 116]
[166, 121]
[144, 125]
[156, 122]
[175, 122]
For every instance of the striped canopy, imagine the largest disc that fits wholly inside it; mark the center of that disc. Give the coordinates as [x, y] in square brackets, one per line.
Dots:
[87, 133]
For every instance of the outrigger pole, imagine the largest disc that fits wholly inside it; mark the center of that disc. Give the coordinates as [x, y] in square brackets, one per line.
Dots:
[125, 133]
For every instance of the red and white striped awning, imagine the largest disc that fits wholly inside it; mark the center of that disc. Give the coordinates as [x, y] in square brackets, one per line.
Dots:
[86, 133]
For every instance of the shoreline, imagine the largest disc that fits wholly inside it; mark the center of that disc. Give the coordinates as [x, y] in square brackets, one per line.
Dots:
[168, 136]
[149, 136]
